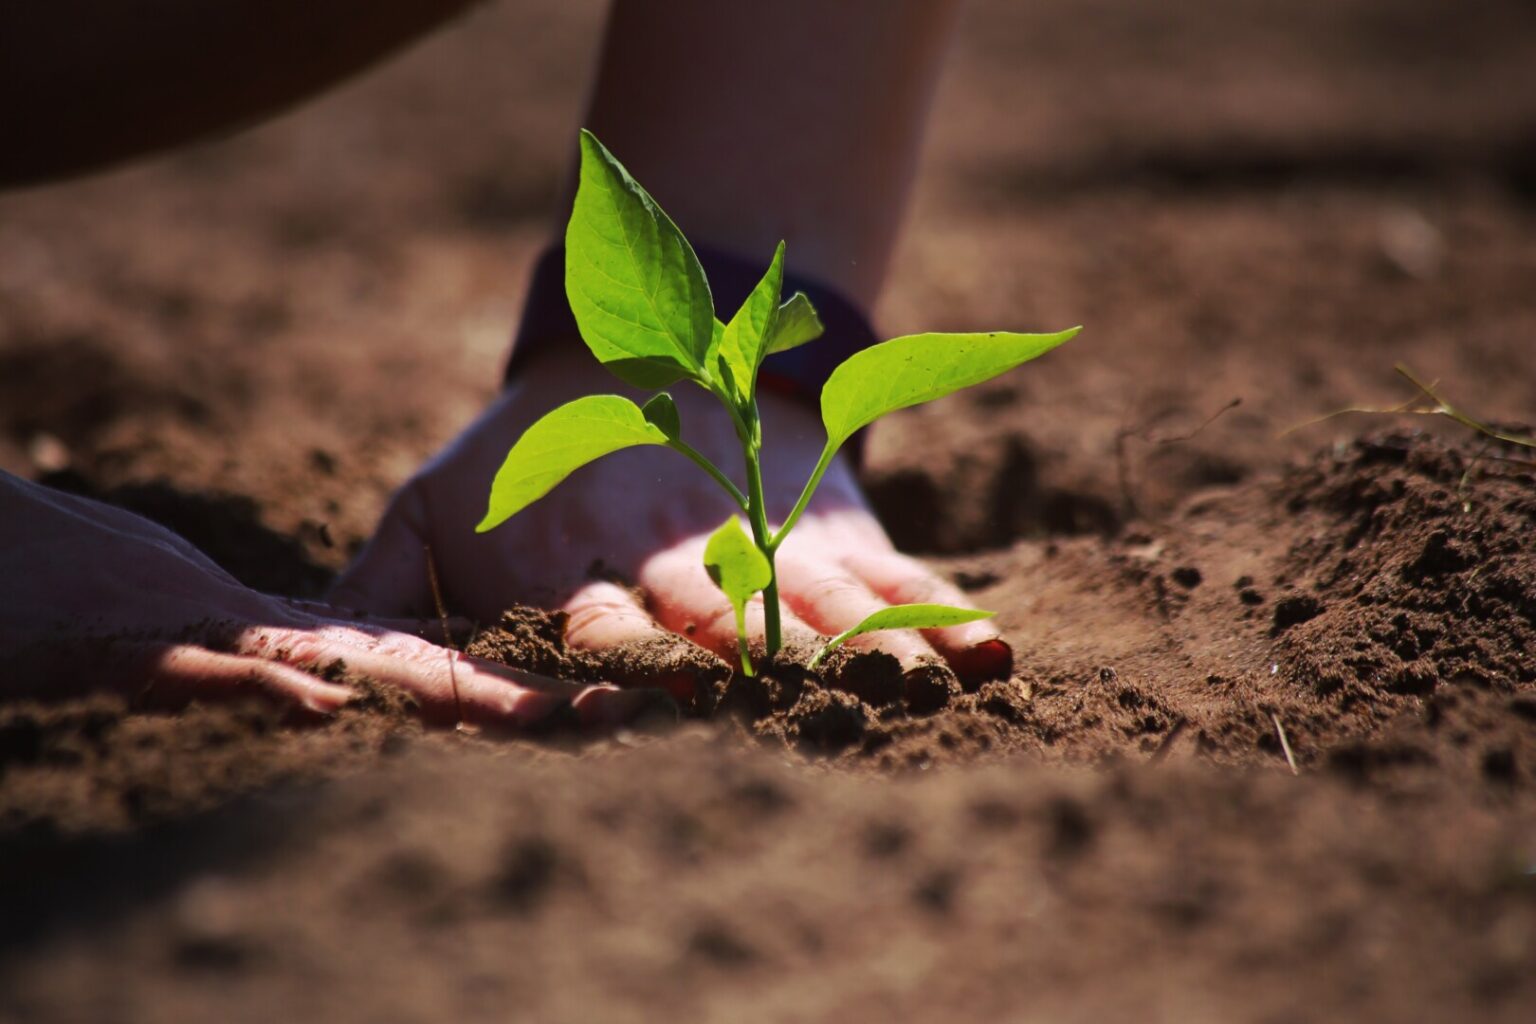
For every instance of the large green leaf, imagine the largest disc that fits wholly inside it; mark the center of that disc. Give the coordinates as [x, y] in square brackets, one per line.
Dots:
[637, 289]
[919, 368]
[740, 570]
[904, 616]
[796, 324]
[744, 340]
[562, 441]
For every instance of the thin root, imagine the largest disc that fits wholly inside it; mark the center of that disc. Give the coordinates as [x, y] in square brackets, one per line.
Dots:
[442, 615]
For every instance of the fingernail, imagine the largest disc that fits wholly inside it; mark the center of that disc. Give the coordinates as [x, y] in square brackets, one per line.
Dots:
[329, 701]
[983, 662]
[609, 707]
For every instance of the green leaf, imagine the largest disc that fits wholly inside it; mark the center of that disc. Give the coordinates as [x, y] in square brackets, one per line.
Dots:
[661, 412]
[919, 368]
[712, 357]
[904, 616]
[796, 324]
[562, 441]
[740, 570]
[637, 289]
[745, 339]
[725, 375]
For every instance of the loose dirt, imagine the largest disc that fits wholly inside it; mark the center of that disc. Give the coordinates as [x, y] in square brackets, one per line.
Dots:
[1269, 751]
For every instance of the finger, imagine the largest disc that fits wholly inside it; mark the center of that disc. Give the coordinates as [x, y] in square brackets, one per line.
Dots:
[975, 650]
[501, 698]
[448, 686]
[390, 577]
[604, 708]
[604, 616]
[685, 600]
[175, 674]
[452, 687]
[436, 630]
[831, 599]
[597, 706]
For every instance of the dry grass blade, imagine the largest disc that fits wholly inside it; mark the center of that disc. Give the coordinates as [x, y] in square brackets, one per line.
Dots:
[1443, 408]
[1428, 402]
[1285, 743]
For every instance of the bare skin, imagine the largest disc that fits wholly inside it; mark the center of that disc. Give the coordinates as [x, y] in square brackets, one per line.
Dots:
[804, 125]
[92, 597]
[99, 598]
[642, 516]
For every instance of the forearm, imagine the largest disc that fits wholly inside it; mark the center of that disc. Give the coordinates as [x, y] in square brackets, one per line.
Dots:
[798, 120]
[85, 83]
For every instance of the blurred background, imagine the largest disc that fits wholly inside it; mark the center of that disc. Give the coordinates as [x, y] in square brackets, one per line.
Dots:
[1240, 199]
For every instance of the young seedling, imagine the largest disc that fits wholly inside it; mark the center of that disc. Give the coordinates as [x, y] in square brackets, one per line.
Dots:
[644, 308]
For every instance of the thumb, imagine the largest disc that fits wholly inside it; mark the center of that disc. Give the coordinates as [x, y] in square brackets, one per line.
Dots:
[390, 575]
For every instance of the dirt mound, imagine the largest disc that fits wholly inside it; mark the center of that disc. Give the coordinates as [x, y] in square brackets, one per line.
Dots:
[256, 341]
[1403, 573]
[1427, 577]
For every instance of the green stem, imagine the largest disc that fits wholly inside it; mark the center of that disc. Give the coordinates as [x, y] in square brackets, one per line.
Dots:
[741, 641]
[683, 448]
[757, 515]
[732, 408]
[805, 496]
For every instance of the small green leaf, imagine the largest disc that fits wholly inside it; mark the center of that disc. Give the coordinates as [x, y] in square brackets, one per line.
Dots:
[559, 443]
[712, 357]
[740, 570]
[796, 324]
[734, 562]
[634, 283]
[661, 412]
[904, 616]
[744, 341]
[725, 375]
[919, 368]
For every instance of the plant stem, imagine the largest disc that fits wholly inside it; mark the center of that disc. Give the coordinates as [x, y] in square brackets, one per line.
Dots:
[805, 498]
[741, 642]
[683, 448]
[757, 513]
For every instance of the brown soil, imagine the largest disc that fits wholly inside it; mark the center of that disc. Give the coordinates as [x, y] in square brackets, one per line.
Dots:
[1270, 751]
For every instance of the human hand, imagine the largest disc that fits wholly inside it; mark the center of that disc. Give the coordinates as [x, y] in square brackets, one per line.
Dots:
[641, 517]
[96, 597]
